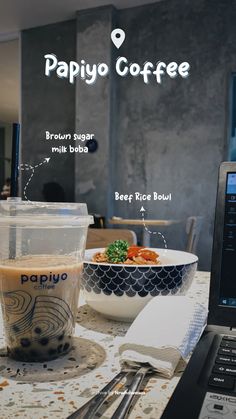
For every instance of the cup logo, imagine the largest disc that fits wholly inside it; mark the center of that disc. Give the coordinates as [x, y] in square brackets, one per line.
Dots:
[52, 278]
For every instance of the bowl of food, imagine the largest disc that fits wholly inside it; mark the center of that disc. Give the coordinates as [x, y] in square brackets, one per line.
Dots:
[118, 281]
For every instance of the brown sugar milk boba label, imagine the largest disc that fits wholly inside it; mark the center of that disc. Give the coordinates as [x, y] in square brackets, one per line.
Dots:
[39, 296]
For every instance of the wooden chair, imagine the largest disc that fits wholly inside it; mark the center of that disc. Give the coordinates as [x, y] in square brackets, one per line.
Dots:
[101, 237]
[193, 229]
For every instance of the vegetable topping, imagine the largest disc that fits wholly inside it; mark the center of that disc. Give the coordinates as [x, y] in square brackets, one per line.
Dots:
[120, 252]
[117, 251]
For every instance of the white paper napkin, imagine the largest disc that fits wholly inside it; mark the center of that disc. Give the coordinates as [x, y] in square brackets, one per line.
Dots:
[166, 330]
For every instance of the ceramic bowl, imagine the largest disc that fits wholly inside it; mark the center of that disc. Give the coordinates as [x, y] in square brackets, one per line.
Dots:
[121, 291]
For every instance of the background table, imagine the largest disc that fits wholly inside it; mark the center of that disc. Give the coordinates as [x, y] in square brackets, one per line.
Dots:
[146, 233]
[30, 390]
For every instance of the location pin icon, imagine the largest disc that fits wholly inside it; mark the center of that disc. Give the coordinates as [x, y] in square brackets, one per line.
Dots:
[118, 37]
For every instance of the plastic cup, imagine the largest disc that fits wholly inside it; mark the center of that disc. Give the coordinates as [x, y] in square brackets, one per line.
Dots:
[41, 260]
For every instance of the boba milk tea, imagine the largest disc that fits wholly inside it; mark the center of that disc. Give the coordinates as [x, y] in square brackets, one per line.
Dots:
[41, 260]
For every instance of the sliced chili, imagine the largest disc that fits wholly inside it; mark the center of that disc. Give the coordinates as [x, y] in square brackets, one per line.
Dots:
[148, 254]
[132, 252]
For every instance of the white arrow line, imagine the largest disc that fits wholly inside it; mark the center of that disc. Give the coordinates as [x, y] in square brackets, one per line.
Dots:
[25, 166]
[153, 232]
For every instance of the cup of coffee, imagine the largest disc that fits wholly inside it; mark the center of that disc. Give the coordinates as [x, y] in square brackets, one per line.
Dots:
[41, 261]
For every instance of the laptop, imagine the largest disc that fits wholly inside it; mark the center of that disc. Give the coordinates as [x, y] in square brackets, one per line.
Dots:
[207, 389]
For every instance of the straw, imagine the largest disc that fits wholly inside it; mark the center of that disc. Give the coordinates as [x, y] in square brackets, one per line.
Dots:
[14, 185]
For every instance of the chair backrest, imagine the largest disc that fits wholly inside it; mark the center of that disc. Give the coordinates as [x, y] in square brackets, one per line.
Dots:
[193, 229]
[101, 237]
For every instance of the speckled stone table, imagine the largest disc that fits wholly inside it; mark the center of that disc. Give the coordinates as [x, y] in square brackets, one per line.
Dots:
[57, 388]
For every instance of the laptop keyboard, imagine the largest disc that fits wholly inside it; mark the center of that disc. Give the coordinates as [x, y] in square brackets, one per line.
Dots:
[223, 374]
[220, 398]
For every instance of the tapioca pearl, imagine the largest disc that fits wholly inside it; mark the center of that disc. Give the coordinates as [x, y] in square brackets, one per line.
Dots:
[18, 353]
[33, 353]
[59, 348]
[66, 346]
[61, 337]
[38, 330]
[44, 341]
[25, 343]
[52, 352]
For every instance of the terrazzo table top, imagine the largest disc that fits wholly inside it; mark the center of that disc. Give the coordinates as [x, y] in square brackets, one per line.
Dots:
[57, 388]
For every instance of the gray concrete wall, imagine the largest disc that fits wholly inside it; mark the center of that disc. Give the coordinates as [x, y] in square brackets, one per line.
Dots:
[164, 138]
[47, 104]
[168, 138]
[94, 109]
[172, 138]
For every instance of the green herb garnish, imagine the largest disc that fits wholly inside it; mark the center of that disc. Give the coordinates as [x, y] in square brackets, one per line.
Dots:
[117, 251]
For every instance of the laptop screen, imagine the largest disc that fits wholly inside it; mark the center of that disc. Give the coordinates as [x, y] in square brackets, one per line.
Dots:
[227, 293]
[222, 298]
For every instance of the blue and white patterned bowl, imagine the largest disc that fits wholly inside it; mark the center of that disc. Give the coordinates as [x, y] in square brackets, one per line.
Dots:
[121, 291]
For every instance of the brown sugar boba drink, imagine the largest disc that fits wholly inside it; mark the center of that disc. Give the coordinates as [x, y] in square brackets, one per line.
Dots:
[41, 263]
[39, 301]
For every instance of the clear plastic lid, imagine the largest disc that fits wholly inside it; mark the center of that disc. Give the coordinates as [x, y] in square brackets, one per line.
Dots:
[14, 211]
